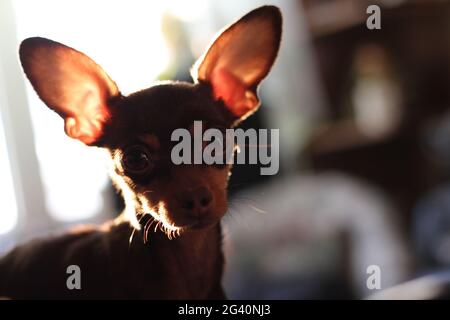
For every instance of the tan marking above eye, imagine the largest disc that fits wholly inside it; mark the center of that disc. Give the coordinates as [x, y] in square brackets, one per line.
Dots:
[151, 140]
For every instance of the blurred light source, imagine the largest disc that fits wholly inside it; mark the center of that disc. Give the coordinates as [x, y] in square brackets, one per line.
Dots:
[8, 211]
[376, 96]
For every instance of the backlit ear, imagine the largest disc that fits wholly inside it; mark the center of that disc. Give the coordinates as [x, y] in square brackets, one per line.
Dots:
[71, 84]
[240, 57]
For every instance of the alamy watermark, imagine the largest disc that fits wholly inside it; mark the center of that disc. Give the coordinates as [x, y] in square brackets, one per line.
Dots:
[214, 146]
[373, 22]
[74, 279]
[374, 279]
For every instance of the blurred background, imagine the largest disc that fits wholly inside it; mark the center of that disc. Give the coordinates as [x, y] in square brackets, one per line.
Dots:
[364, 119]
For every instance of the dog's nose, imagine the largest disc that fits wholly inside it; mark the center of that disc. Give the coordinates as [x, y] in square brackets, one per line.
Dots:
[197, 201]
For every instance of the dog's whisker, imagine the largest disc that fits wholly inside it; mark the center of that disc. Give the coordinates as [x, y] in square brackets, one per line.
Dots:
[246, 201]
[146, 228]
[134, 231]
[131, 237]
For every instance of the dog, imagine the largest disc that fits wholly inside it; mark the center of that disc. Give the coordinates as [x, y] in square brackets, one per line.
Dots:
[167, 242]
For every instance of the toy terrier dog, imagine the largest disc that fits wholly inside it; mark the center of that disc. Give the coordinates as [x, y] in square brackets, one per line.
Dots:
[181, 258]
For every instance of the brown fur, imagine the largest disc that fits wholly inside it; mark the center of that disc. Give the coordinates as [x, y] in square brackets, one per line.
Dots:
[167, 243]
[111, 268]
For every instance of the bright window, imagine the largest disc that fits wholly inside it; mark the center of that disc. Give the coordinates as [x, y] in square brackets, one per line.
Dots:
[8, 212]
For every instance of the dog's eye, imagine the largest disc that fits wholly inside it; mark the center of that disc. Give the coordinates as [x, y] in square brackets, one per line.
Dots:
[136, 160]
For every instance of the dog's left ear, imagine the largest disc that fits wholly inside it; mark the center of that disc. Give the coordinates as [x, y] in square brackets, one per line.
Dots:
[240, 57]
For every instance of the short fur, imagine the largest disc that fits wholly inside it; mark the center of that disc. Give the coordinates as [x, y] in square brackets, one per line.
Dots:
[167, 243]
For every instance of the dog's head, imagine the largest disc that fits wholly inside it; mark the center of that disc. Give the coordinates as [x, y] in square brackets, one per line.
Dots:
[137, 130]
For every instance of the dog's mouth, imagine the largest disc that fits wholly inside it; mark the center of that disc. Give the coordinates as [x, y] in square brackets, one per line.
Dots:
[171, 228]
[203, 224]
[174, 224]
[198, 224]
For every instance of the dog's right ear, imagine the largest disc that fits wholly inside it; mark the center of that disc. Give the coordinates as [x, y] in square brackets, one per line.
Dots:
[71, 84]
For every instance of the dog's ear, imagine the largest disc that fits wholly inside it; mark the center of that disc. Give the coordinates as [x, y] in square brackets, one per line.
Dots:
[71, 84]
[240, 57]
